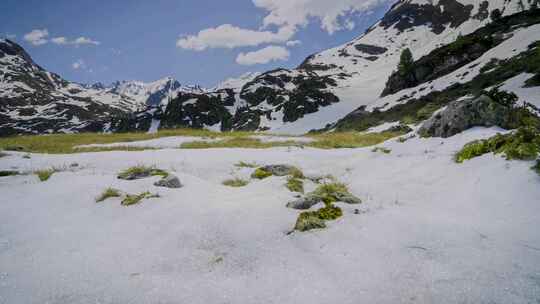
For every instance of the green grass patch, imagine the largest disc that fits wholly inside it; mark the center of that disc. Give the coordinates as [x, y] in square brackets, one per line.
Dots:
[5, 173]
[341, 140]
[66, 143]
[138, 172]
[524, 144]
[260, 173]
[108, 193]
[235, 182]
[44, 175]
[295, 184]
[133, 199]
[237, 142]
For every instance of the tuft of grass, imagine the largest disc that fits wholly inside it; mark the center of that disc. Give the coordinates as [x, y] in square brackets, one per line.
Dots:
[108, 193]
[297, 173]
[382, 149]
[44, 175]
[350, 139]
[295, 184]
[141, 172]
[236, 183]
[331, 192]
[524, 144]
[260, 173]
[8, 173]
[243, 164]
[133, 199]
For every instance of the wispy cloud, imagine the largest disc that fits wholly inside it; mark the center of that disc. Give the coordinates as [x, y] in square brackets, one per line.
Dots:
[37, 37]
[263, 56]
[77, 42]
[229, 36]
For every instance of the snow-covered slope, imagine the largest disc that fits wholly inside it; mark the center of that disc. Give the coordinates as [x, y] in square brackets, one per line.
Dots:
[428, 231]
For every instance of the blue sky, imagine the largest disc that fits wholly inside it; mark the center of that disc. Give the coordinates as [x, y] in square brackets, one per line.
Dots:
[90, 41]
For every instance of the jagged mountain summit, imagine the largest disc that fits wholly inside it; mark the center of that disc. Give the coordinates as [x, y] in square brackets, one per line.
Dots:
[352, 86]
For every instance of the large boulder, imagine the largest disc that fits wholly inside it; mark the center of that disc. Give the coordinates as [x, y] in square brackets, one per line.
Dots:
[461, 115]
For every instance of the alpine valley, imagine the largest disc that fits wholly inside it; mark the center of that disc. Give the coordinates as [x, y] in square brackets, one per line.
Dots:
[458, 51]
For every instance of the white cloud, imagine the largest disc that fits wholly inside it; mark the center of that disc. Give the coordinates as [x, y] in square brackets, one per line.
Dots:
[37, 37]
[229, 36]
[297, 13]
[79, 65]
[293, 43]
[263, 56]
[77, 42]
[59, 40]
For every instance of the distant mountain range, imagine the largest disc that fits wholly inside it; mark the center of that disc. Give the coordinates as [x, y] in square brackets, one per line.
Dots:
[352, 86]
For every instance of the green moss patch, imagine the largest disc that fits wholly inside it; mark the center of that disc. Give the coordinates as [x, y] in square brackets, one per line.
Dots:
[139, 172]
[260, 173]
[108, 193]
[295, 184]
[236, 183]
[133, 199]
[316, 219]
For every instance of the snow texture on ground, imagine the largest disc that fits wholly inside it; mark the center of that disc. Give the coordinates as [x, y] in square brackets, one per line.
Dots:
[429, 231]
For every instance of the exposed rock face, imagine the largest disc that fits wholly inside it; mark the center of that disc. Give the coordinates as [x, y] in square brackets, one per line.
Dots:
[281, 93]
[370, 49]
[462, 115]
[442, 62]
[170, 181]
[405, 15]
[35, 101]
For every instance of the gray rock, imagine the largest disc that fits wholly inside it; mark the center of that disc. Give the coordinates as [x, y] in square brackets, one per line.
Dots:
[170, 181]
[304, 203]
[462, 115]
[279, 170]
